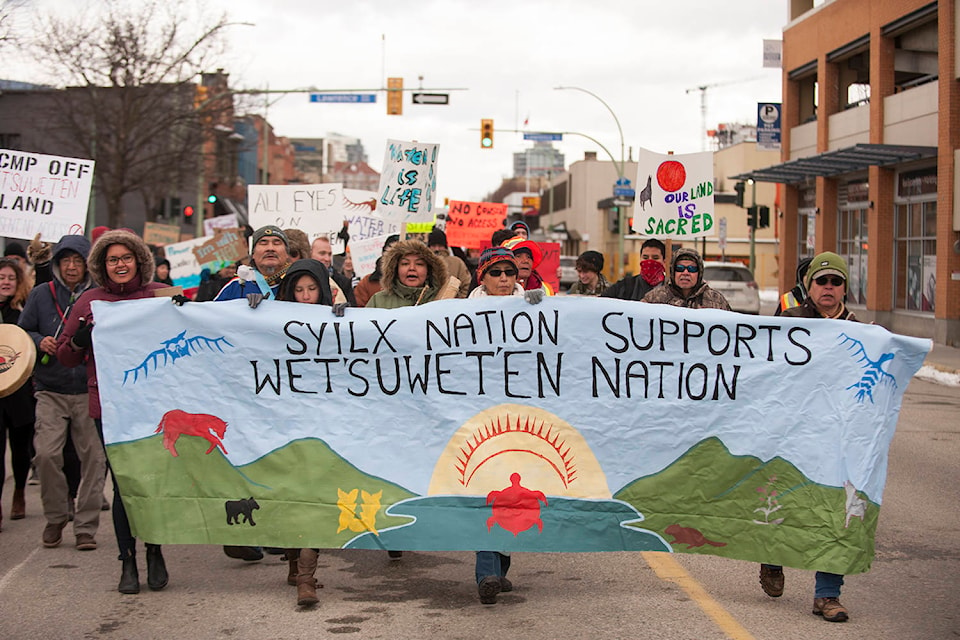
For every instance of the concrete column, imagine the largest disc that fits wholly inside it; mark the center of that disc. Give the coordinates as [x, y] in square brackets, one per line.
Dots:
[947, 303]
[880, 231]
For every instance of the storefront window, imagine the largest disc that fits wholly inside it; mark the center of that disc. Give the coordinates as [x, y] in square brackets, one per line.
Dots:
[915, 242]
[852, 242]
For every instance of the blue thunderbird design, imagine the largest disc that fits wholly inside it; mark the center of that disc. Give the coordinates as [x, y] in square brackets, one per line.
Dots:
[873, 373]
[173, 349]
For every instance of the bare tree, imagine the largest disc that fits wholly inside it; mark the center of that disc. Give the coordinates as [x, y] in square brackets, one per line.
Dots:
[7, 9]
[130, 99]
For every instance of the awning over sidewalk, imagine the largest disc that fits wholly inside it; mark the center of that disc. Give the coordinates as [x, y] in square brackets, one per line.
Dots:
[841, 161]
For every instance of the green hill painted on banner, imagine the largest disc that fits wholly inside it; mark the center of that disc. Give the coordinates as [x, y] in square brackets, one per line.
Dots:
[187, 493]
[709, 496]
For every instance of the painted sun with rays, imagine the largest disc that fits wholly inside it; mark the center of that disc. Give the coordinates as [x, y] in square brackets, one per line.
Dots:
[549, 453]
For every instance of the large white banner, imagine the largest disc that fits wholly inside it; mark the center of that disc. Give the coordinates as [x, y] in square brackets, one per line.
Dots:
[572, 425]
[43, 194]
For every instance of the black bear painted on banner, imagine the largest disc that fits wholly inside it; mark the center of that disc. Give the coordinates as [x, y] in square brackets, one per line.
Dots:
[237, 508]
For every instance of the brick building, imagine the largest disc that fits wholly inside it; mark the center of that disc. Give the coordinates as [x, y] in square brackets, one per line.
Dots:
[869, 156]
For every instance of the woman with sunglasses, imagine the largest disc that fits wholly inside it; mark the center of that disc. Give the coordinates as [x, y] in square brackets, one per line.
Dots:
[826, 282]
[497, 273]
[685, 286]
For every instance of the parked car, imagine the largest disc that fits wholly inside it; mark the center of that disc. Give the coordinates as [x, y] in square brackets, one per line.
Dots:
[736, 283]
[568, 271]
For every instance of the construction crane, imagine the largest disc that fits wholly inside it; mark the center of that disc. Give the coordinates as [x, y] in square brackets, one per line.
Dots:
[703, 104]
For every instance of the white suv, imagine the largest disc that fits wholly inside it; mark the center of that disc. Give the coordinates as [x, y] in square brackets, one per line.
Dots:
[736, 283]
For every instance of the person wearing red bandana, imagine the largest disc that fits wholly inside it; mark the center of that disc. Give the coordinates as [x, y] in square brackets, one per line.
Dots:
[652, 273]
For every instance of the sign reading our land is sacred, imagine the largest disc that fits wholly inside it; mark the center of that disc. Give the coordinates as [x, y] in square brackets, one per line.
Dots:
[674, 195]
[571, 425]
[470, 224]
[43, 194]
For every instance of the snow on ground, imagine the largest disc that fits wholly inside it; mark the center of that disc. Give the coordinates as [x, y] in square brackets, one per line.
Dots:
[932, 374]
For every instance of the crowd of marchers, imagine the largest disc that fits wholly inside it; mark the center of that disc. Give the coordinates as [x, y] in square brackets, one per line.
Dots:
[53, 421]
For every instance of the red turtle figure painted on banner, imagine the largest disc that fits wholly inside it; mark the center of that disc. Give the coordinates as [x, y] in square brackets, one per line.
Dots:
[516, 508]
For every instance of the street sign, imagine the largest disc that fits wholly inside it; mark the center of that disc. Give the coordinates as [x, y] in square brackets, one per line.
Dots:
[624, 192]
[343, 97]
[543, 136]
[622, 203]
[431, 98]
[722, 234]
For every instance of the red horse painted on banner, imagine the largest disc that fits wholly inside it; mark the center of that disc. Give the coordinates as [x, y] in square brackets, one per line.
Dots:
[176, 423]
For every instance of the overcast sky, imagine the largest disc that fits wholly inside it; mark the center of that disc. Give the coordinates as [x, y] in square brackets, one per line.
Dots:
[640, 57]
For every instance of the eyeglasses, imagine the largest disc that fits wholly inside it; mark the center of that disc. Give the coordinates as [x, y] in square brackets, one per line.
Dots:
[126, 259]
[836, 281]
[496, 273]
[692, 268]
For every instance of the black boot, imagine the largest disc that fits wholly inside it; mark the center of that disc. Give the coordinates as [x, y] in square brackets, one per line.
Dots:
[129, 577]
[156, 568]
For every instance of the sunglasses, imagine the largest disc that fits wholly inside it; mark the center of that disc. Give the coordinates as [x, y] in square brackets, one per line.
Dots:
[836, 281]
[692, 268]
[496, 273]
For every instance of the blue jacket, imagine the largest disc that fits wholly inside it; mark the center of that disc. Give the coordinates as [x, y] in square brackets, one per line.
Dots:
[41, 317]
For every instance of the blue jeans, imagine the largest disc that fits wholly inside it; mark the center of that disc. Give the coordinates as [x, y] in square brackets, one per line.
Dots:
[491, 563]
[827, 584]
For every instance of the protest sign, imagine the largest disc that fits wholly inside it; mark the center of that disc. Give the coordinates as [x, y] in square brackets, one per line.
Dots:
[365, 252]
[550, 264]
[190, 257]
[470, 224]
[365, 221]
[43, 194]
[571, 425]
[229, 221]
[408, 182]
[159, 234]
[317, 209]
[677, 198]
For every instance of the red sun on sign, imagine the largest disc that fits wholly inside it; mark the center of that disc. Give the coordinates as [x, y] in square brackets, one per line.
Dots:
[671, 175]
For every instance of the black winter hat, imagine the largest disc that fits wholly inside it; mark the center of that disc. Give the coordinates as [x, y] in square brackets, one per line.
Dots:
[436, 236]
[590, 261]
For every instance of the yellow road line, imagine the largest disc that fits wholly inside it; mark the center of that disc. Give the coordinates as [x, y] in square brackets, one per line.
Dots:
[667, 568]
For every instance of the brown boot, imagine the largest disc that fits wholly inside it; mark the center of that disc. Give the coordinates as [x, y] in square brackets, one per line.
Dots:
[18, 510]
[830, 609]
[306, 583]
[306, 591]
[292, 557]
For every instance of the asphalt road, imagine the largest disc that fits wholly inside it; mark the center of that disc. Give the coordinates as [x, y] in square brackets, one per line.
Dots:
[911, 591]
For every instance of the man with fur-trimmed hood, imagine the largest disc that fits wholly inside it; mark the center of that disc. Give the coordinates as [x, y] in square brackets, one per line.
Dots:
[685, 287]
[412, 275]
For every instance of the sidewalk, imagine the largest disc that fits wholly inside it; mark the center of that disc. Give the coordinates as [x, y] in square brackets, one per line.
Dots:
[944, 360]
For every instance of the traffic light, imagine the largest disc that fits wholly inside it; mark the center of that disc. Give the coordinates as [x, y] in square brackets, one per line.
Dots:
[614, 221]
[201, 96]
[187, 213]
[486, 133]
[752, 216]
[212, 198]
[763, 217]
[394, 96]
[740, 187]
